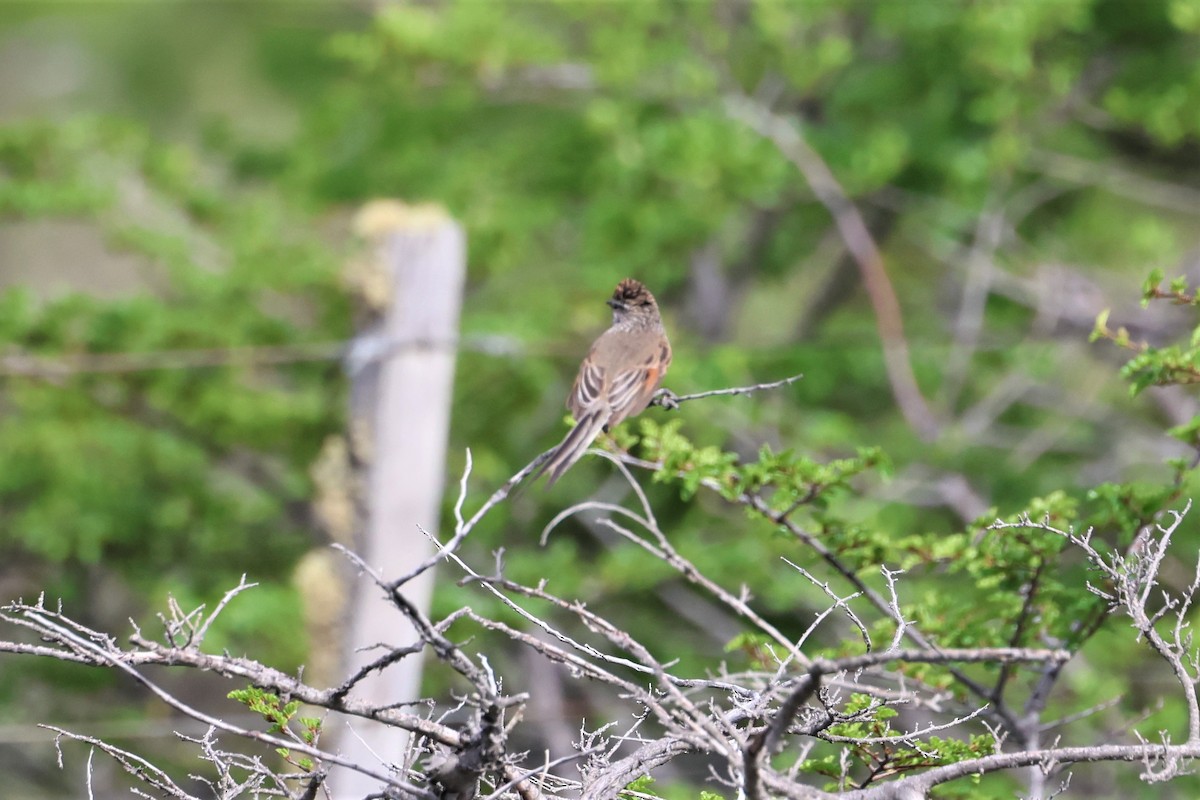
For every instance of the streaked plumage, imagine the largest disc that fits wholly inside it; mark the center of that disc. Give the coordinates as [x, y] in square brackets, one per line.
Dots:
[619, 376]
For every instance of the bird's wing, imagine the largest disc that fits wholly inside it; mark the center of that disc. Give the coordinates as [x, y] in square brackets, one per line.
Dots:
[644, 361]
[589, 387]
[631, 390]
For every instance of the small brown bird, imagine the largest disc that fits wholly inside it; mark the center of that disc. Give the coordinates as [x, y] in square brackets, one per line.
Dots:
[619, 376]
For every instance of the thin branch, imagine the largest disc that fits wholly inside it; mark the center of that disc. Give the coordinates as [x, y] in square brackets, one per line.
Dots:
[758, 504]
[1027, 609]
[668, 399]
[355, 352]
[765, 741]
[460, 533]
[224, 665]
[542, 770]
[1119, 181]
[666, 552]
[919, 785]
[91, 363]
[215, 722]
[947, 655]
[132, 763]
[785, 134]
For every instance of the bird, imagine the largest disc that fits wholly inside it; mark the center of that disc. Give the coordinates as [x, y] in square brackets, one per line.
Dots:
[618, 377]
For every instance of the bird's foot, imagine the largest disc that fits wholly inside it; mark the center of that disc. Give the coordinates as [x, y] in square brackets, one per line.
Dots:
[666, 399]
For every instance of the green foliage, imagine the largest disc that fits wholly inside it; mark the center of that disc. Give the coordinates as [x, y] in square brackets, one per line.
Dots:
[641, 785]
[794, 479]
[1175, 364]
[579, 143]
[152, 471]
[1025, 587]
[873, 721]
[50, 168]
[755, 645]
[281, 718]
[274, 711]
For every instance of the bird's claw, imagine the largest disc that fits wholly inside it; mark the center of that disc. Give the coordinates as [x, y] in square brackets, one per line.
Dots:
[666, 399]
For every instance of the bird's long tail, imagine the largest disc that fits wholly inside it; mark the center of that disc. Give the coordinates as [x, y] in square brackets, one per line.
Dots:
[573, 446]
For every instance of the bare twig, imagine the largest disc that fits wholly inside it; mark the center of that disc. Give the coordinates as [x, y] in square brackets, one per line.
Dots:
[113, 659]
[1148, 754]
[785, 134]
[1119, 181]
[787, 699]
[668, 399]
[132, 763]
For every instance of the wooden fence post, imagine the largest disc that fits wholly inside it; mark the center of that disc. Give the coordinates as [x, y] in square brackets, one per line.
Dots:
[400, 415]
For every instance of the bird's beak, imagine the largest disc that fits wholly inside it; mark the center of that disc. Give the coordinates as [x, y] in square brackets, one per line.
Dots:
[614, 303]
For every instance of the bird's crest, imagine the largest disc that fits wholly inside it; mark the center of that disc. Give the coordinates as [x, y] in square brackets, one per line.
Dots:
[630, 292]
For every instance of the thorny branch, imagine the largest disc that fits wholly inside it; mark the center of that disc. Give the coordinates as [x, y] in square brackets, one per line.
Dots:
[795, 697]
[1129, 584]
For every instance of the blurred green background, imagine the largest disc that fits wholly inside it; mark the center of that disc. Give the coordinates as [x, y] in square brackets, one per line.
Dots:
[178, 176]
